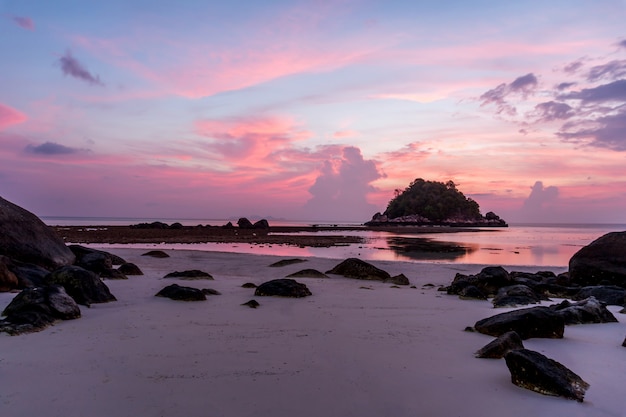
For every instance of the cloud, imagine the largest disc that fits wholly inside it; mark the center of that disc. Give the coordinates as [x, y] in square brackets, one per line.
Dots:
[340, 191]
[605, 132]
[23, 22]
[72, 67]
[522, 86]
[552, 110]
[612, 70]
[622, 43]
[50, 148]
[564, 86]
[540, 195]
[573, 67]
[10, 116]
[614, 91]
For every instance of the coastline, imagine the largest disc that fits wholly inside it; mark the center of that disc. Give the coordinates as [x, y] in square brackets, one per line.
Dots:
[346, 350]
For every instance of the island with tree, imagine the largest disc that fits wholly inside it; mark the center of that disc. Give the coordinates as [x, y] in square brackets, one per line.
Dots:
[433, 203]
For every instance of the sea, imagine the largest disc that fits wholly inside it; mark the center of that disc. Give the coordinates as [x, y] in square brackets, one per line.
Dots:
[543, 245]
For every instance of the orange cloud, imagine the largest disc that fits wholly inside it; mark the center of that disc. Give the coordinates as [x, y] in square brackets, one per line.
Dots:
[10, 116]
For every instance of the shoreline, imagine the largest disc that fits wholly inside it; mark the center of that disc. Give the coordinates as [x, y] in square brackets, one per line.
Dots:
[354, 348]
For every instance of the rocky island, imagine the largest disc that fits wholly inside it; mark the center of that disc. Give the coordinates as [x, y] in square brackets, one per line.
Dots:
[433, 203]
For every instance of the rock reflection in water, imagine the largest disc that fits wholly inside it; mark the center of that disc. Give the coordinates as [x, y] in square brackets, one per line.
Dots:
[425, 249]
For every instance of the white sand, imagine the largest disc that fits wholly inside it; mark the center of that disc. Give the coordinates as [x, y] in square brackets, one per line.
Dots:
[345, 351]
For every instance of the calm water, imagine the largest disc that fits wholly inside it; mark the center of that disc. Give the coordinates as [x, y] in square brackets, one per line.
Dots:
[523, 244]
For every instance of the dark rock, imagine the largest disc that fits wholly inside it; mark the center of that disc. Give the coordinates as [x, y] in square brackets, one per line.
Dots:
[356, 268]
[156, 254]
[399, 280]
[228, 225]
[586, 311]
[500, 346]
[34, 309]
[285, 262]
[608, 294]
[308, 273]
[210, 291]
[112, 273]
[251, 304]
[488, 281]
[129, 268]
[603, 260]
[28, 275]
[24, 237]
[514, 296]
[527, 322]
[85, 287]
[192, 274]
[81, 251]
[177, 292]
[95, 262]
[261, 224]
[8, 280]
[244, 223]
[536, 372]
[555, 290]
[471, 293]
[282, 288]
[176, 226]
[248, 285]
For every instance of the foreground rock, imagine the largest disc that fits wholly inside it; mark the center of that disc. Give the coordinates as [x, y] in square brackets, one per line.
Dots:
[586, 311]
[487, 282]
[130, 268]
[536, 372]
[34, 309]
[514, 296]
[500, 346]
[178, 292]
[84, 286]
[602, 262]
[192, 274]
[609, 294]
[527, 323]
[283, 287]
[356, 268]
[24, 237]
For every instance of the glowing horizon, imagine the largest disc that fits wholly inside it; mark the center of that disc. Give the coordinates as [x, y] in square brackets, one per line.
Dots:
[313, 110]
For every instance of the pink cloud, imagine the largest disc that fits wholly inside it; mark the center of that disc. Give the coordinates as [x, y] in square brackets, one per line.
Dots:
[24, 22]
[10, 116]
[344, 134]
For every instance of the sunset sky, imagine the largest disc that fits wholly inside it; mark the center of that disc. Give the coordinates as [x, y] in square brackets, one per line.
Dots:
[312, 110]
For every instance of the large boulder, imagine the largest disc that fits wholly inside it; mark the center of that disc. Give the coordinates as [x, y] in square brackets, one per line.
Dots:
[283, 287]
[28, 275]
[244, 223]
[82, 251]
[500, 346]
[84, 286]
[24, 237]
[514, 296]
[488, 281]
[356, 268]
[585, 311]
[536, 372]
[34, 309]
[609, 294]
[8, 280]
[527, 322]
[602, 262]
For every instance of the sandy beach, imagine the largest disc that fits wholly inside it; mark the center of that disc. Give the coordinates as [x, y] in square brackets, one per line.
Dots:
[354, 348]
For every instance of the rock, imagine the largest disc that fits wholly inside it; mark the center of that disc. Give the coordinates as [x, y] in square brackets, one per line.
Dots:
[34, 309]
[28, 275]
[471, 292]
[356, 268]
[156, 254]
[210, 291]
[282, 288]
[585, 311]
[248, 285]
[8, 280]
[500, 346]
[536, 372]
[244, 223]
[192, 274]
[488, 281]
[251, 304]
[608, 294]
[308, 273]
[24, 237]
[112, 273]
[129, 268]
[85, 287]
[80, 251]
[528, 322]
[95, 262]
[399, 280]
[514, 296]
[602, 261]
[261, 224]
[177, 292]
[285, 262]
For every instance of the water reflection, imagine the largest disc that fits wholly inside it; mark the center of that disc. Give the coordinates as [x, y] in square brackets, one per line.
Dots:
[427, 249]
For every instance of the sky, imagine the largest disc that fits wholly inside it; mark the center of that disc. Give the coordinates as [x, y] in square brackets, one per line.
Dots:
[312, 110]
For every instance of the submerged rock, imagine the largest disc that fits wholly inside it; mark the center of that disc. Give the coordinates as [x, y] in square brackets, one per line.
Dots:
[177, 292]
[156, 254]
[192, 274]
[285, 262]
[356, 268]
[283, 288]
[308, 273]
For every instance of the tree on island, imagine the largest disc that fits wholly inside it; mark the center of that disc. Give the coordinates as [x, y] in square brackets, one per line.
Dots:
[433, 202]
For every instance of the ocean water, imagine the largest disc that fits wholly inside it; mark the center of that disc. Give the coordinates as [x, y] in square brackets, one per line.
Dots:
[545, 245]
